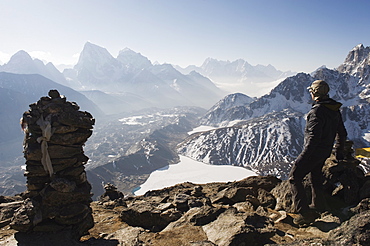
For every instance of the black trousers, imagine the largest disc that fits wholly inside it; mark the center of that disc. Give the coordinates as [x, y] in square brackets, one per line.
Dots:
[301, 167]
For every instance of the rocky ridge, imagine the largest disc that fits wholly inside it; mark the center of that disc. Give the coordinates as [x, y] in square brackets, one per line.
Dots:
[253, 211]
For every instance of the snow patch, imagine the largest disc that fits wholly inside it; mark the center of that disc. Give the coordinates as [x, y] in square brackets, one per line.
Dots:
[189, 170]
[201, 129]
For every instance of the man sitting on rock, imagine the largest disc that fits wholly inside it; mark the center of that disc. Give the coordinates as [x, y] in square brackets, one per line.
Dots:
[324, 125]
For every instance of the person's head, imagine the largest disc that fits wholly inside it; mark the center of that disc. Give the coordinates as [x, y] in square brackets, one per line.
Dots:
[319, 90]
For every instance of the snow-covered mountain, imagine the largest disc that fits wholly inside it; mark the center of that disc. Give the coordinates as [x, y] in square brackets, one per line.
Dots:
[239, 75]
[357, 62]
[291, 93]
[270, 134]
[266, 144]
[22, 63]
[229, 108]
[132, 82]
[132, 60]
[131, 73]
[262, 133]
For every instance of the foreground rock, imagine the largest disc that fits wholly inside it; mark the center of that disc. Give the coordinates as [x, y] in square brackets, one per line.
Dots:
[252, 211]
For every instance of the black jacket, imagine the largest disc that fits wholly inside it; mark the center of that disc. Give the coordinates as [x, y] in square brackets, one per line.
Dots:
[324, 125]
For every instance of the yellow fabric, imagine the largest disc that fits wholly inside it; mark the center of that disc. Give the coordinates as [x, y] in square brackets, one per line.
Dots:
[363, 152]
[45, 126]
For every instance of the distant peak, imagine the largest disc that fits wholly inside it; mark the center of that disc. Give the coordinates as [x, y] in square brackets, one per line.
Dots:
[89, 46]
[237, 96]
[20, 56]
[355, 61]
[94, 52]
[195, 73]
[359, 46]
[128, 56]
[127, 50]
[22, 53]
[210, 59]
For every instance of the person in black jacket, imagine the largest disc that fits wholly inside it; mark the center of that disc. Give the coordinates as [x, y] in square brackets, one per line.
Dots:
[324, 125]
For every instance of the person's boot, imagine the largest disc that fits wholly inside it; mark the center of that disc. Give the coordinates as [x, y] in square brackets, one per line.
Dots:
[306, 218]
[317, 209]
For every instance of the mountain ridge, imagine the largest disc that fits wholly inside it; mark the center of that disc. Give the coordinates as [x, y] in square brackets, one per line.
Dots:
[239, 75]
[284, 105]
[161, 85]
[292, 96]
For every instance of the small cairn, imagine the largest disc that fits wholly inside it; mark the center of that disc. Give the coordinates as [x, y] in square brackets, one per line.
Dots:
[58, 194]
[111, 197]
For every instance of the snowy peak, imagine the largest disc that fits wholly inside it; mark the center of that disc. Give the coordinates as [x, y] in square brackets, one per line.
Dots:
[166, 71]
[233, 100]
[130, 58]
[228, 109]
[133, 73]
[213, 67]
[96, 67]
[20, 62]
[92, 53]
[356, 61]
[20, 56]
[239, 67]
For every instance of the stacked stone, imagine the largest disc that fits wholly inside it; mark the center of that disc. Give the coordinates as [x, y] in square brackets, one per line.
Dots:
[111, 197]
[58, 194]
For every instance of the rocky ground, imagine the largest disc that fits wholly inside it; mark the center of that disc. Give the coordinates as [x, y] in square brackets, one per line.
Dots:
[253, 211]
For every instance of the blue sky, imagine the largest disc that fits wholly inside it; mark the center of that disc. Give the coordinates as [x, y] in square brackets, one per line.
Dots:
[292, 35]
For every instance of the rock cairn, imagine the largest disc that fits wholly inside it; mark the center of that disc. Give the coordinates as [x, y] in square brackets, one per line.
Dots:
[58, 194]
[111, 197]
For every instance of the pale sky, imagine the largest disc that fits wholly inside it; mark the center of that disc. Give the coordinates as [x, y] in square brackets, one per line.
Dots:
[296, 35]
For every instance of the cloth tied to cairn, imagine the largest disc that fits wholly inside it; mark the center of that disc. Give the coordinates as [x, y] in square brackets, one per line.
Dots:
[47, 132]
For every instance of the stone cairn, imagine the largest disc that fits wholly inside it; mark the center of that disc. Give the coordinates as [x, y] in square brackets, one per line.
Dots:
[58, 194]
[111, 197]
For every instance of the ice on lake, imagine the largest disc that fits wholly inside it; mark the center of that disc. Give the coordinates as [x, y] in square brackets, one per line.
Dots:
[189, 170]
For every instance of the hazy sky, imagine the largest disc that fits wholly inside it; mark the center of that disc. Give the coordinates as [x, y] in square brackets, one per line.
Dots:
[297, 35]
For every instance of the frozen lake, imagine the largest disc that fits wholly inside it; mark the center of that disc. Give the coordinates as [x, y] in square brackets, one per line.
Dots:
[189, 170]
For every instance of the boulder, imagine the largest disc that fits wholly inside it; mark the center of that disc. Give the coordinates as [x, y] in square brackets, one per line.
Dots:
[234, 228]
[355, 231]
[152, 216]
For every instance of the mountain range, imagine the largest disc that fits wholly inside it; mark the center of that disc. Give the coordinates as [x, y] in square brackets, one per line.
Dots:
[266, 134]
[139, 122]
[240, 76]
[132, 82]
